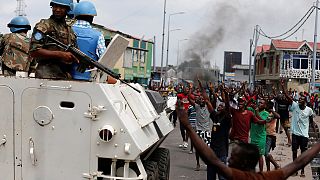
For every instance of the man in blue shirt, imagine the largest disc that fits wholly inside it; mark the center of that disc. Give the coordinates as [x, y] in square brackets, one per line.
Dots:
[302, 115]
[89, 40]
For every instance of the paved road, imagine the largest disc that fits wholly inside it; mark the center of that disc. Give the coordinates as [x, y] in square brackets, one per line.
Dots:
[183, 163]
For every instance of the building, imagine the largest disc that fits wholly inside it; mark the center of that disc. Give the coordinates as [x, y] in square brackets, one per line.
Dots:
[230, 59]
[288, 59]
[135, 64]
[241, 73]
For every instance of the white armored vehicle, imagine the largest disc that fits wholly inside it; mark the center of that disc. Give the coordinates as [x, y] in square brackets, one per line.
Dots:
[56, 129]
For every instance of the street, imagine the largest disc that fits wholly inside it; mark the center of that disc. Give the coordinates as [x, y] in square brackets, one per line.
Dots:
[183, 164]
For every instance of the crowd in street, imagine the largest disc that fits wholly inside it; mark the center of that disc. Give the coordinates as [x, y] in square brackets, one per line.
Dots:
[240, 126]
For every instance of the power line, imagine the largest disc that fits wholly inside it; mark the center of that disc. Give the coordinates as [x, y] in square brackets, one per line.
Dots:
[298, 27]
[308, 13]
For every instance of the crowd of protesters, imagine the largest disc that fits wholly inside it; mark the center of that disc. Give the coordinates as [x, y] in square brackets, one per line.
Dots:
[228, 118]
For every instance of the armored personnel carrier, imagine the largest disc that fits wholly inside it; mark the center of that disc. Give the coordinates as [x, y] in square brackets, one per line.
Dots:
[57, 129]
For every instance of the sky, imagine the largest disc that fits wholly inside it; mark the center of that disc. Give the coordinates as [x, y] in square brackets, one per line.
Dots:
[211, 26]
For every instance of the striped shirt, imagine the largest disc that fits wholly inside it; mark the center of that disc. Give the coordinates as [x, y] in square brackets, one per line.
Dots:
[101, 46]
[192, 115]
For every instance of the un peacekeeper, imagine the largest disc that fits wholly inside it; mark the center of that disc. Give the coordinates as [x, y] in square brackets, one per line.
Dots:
[14, 47]
[89, 40]
[52, 61]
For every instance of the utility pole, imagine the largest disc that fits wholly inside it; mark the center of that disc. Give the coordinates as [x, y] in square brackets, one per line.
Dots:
[250, 62]
[255, 55]
[154, 54]
[20, 8]
[314, 59]
[163, 29]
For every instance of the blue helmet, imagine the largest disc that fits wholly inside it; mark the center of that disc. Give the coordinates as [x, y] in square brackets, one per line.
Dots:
[71, 12]
[67, 3]
[85, 8]
[19, 23]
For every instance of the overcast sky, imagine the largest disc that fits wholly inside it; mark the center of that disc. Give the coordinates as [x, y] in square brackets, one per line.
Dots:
[223, 25]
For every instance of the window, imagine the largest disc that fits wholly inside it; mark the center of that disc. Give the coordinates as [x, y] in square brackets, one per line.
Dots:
[142, 56]
[300, 61]
[296, 63]
[286, 61]
[317, 64]
[135, 54]
[304, 63]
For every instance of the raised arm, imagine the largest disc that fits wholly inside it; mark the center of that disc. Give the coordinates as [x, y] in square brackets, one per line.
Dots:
[205, 152]
[226, 100]
[213, 96]
[205, 97]
[301, 161]
[274, 91]
[286, 92]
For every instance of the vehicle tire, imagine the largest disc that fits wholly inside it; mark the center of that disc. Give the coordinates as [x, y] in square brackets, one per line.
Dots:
[162, 157]
[151, 168]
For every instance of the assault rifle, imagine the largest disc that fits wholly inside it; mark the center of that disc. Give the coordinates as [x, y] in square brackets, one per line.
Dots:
[86, 61]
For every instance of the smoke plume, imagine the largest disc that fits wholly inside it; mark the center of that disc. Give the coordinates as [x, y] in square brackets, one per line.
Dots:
[220, 20]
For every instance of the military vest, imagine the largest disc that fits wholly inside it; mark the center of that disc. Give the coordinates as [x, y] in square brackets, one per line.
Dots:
[16, 52]
[87, 40]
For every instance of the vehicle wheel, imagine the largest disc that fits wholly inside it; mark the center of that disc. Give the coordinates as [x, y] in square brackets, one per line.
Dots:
[151, 168]
[162, 157]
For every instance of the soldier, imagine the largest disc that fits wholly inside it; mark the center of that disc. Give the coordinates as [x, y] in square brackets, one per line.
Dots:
[14, 47]
[52, 61]
[89, 40]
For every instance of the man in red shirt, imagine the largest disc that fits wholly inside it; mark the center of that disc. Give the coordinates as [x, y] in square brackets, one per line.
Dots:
[244, 157]
[184, 99]
[241, 119]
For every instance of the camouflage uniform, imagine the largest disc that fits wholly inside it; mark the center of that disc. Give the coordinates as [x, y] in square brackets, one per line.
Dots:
[14, 48]
[52, 68]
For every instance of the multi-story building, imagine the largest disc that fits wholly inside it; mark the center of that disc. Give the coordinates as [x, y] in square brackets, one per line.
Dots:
[135, 64]
[230, 59]
[289, 59]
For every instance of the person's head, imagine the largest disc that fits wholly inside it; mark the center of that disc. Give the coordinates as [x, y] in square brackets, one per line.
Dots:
[221, 107]
[60, 8]
[201, 101]
[85, 10]
[302, 101]
[242, 103]
[282, 97]
[262, 104]
[270, 105]
[19, 24]
[271, 96]
[244, 157]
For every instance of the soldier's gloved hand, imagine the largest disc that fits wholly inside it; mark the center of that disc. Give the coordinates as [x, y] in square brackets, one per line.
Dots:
[69, 58]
